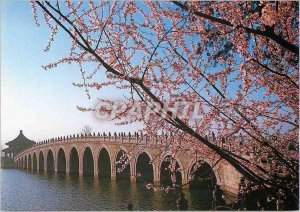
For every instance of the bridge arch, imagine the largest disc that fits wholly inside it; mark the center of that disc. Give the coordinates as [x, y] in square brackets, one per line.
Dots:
[104, 162]
[74, 161]
[61, 161]
[168, 177]
[144, 168]
[29, 162]
[41, 161]
[34, 162]
[201, 175]
[119, 149]
[178, 159]
[50, 161]
[88, 161]
[209, 166]
[122, 164]
[25, 162]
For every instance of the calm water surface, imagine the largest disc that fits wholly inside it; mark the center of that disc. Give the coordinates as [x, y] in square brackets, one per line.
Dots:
[21, 190]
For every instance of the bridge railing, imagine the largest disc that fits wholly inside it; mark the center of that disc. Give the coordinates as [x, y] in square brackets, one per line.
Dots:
[136, 138]
[118, 138]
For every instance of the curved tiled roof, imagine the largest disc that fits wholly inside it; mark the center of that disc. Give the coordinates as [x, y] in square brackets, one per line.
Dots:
[20, 139]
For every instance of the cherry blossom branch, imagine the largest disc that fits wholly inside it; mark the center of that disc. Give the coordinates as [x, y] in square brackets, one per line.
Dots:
[117, 58]
[71, 23]
[275, 72]
[61, 25]
[201, 74]
[269, 32]
[264, 142]
[156, 47]
[274, 118]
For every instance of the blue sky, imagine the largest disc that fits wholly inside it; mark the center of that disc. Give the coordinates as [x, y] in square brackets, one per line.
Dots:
[41, 103]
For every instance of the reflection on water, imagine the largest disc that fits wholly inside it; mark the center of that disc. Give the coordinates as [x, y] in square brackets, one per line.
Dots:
[22, 190]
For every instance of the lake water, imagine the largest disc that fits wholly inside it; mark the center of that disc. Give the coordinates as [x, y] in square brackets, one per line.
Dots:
[22, 190]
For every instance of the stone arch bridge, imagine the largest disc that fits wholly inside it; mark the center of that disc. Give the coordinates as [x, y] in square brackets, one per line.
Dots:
[100, 156]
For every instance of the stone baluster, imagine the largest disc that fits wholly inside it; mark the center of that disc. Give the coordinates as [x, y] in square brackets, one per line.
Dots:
[137, 136]
[129, 137]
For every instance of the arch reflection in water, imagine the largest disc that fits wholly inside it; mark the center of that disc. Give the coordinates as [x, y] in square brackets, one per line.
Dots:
[86, 193]
[104, 170]
[144, 169]
[170, 174]
[122, 166]
[74, 162]
[88, 162]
